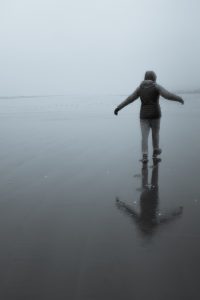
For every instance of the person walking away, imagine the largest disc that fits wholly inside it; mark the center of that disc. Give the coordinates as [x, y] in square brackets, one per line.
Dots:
[150, 113]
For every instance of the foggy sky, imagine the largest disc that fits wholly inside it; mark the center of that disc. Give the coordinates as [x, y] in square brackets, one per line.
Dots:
[97, 47]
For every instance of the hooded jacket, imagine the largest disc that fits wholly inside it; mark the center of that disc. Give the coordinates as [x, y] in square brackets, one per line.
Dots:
[149, 92]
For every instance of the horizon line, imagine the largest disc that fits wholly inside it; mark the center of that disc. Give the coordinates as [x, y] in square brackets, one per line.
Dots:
[196, 91]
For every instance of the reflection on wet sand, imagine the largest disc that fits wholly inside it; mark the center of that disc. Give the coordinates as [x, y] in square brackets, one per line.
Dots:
[149, 218]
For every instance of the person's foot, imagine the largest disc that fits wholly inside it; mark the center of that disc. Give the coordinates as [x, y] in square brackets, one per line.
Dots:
[144, 159]
[157, 152]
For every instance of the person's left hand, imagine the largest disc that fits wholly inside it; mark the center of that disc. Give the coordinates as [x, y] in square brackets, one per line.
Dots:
[116, 111]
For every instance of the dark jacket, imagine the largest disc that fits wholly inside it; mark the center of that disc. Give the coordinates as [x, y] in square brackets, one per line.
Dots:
[149, 92]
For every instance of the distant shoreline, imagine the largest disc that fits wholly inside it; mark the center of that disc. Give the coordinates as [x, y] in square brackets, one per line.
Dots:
[83, 95]
[188, 92]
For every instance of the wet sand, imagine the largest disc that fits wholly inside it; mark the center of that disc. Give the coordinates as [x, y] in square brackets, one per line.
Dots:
[81, 218]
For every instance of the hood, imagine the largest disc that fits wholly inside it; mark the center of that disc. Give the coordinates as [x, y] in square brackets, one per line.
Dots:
[150, 75]
[147, 84]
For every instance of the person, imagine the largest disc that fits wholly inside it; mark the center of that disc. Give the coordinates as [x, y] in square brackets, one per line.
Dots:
[150, 113]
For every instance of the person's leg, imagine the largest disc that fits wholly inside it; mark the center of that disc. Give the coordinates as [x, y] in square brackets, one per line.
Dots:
[155, 127]
[145, 128]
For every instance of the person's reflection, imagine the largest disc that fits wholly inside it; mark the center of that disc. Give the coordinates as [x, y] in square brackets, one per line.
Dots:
[149, 218]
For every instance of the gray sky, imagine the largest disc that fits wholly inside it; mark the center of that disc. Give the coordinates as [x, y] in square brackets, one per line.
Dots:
[104, 46]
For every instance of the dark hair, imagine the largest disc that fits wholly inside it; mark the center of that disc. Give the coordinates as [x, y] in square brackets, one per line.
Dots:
[150, 75]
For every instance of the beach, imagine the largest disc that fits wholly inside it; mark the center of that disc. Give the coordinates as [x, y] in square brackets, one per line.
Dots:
[81, 218]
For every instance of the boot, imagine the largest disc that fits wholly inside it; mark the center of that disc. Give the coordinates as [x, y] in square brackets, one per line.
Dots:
[156, 152]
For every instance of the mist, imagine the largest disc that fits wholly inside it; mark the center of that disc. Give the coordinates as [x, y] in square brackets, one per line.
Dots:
[97, 47]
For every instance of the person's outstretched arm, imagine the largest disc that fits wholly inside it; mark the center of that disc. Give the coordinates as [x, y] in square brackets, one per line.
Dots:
[129, 100]
[168, 95]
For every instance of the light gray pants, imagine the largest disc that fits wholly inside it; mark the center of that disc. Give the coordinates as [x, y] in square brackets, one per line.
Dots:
[146, 125]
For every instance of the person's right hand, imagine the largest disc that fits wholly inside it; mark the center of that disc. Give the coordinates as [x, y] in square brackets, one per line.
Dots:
[181, 101]
[116, 111]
